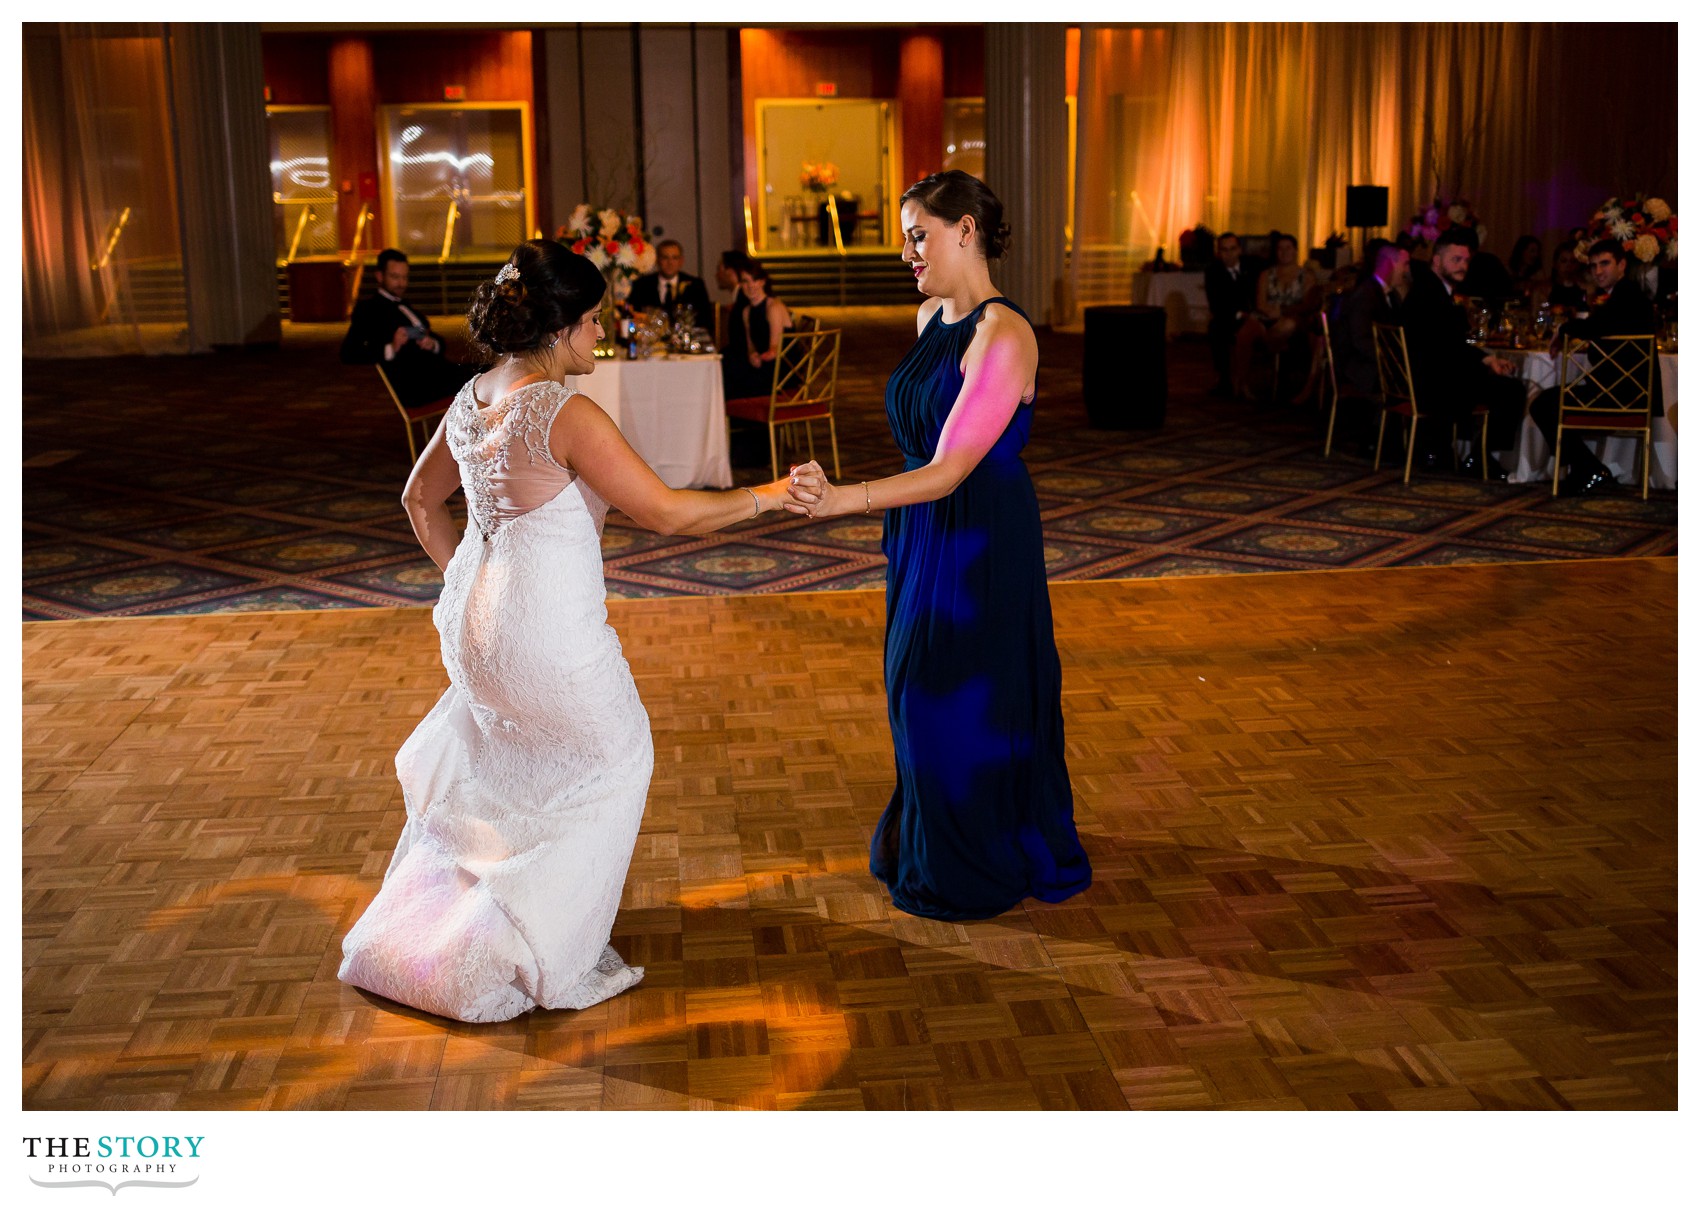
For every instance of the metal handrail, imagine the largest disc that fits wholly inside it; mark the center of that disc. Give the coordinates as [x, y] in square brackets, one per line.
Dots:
[449, 230]
[300, 229]
[113, 235]
[354, 261]
[837, 232]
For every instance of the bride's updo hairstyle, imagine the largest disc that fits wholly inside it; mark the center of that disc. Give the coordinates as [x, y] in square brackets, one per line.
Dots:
[953, 193]
[543, 288]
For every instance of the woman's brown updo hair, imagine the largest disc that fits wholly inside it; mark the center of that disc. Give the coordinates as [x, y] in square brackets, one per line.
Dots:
[953, 193]
[554, 289]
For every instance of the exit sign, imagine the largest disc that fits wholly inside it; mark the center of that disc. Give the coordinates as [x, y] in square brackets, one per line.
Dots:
[454, 92]
[826, 88]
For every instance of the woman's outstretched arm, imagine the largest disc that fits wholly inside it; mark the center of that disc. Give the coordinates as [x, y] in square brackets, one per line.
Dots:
[997, 374]
[585, 439]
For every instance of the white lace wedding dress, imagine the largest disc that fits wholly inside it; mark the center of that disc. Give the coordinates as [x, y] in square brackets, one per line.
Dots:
[525, 784]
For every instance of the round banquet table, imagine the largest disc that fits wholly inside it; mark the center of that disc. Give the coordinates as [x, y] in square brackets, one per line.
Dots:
[1531, 462]
[673, 412]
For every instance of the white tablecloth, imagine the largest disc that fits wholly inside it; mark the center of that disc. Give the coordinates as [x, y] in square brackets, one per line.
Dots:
[1532, 460]
[672, 411]
[1180, 293]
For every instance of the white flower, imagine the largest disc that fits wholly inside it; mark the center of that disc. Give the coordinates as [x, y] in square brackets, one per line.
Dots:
[1457, 214]
[1610, 214]
[626, 257]
[1646, 246]
[610, 220]
[579, 220]
[1481, 235]
[1431, 217]
[1622, 228]
[1658, 210]
[597, 257]
[1670, 249]
[646, 261]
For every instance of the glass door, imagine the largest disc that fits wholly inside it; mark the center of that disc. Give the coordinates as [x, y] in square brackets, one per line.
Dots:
[457, 179]
[811, 149]
[303, 197]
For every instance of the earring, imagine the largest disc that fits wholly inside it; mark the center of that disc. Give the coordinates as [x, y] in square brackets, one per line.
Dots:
[554, 343]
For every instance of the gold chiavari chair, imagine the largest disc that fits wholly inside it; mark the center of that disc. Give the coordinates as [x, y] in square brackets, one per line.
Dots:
[1606, 385]
[805, 385]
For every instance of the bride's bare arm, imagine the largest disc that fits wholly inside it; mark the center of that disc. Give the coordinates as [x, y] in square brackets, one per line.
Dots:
[997, 372]
[432, 482]
[587, 440]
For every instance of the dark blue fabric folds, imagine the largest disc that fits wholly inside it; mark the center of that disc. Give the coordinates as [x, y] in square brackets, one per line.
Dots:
[982, 815]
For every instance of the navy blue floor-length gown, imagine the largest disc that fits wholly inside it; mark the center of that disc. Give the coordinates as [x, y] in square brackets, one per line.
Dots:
[982, 815]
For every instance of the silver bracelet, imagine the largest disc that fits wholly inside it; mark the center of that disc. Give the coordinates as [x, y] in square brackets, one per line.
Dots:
[757, 500]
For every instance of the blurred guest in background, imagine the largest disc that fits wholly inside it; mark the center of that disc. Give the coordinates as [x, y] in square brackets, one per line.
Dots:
[1617, 309]
[1568, 285]
[752, 336]
[1528, 278]
[1230, 286]
[670, 287]
[1283, 292]
[384, 329]
[1451, 376]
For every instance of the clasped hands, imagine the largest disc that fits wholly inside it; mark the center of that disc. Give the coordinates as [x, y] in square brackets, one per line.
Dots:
[810, 492]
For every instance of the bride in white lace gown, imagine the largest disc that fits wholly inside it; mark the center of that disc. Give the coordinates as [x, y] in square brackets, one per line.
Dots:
[526, 783]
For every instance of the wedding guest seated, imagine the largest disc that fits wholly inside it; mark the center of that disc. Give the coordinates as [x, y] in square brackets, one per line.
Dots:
[1527, 277]
[1416, 246]
[1230, 287]
[726, 270]
[669, 287]
[752, 337]
[1617, 309]
[384, 329]
[1284, 290]
[1378, 299]
[1488, 279]
[1568, 285]
[1451, 376]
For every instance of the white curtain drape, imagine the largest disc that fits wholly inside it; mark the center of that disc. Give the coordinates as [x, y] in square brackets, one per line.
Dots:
[1253, 127]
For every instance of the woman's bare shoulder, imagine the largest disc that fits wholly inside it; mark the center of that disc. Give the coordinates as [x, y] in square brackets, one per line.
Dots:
[929, 308]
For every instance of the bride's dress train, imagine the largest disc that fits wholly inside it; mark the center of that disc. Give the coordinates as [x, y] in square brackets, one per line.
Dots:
[525, 784]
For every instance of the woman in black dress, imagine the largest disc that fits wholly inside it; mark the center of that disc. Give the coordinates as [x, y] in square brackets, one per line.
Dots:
[752, 340]
[982, 815]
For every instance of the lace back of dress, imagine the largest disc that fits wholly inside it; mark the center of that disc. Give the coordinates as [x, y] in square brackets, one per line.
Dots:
[503, 451]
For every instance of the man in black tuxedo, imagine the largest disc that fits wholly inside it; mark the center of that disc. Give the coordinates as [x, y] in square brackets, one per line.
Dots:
[1378, 299]
[1230, 287]
[1617, 308]
[384, 329]
[1452, 377]
[669, 287]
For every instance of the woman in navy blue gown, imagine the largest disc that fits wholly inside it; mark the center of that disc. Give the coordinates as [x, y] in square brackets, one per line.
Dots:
[982, 815]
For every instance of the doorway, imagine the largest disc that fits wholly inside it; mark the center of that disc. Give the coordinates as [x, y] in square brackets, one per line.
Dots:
[852, 140]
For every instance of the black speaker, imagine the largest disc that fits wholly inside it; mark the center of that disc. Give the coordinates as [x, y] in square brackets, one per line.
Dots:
[1366, 206]
[1124, 371]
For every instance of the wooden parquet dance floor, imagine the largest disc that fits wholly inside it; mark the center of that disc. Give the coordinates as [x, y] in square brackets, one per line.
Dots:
[1396, 838]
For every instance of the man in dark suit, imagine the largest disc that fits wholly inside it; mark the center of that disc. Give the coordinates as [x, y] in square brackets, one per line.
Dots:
[1230, 287]
[669, 287]
[384, 329]
[1617, 308]
[1453, 377]
[1378, 299]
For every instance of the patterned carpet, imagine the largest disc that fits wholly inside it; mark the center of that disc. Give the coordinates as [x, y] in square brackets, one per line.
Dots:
[270, 480]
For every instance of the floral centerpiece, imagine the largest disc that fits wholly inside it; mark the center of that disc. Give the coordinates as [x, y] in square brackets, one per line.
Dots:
[819, 177]
[1444, 213]
[614, 242]
[1646, 227]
